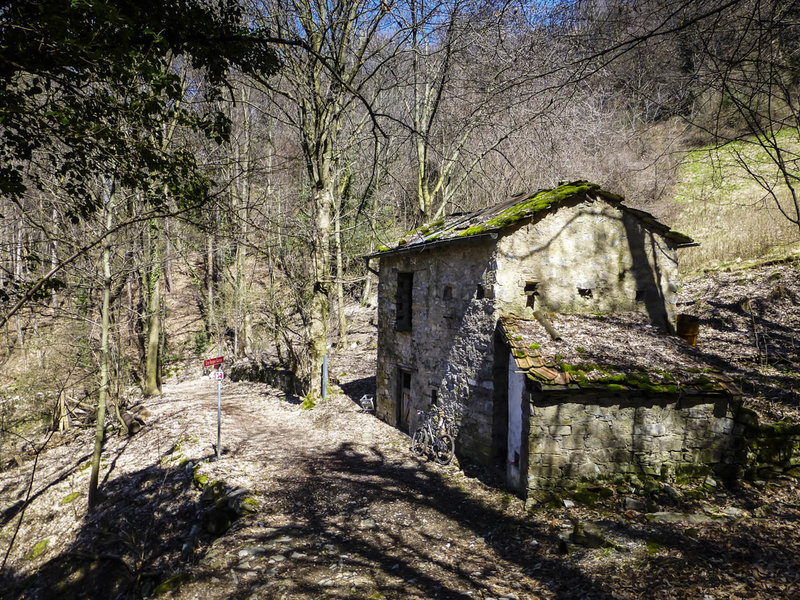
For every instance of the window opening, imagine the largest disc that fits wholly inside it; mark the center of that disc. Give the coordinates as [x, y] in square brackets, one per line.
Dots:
[585, 293]
[480, 293]
[405, 285]
[434, 396]
[531, 293]
[447, 292]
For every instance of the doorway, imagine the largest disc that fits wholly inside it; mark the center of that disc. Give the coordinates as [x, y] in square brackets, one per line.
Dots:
[403, 398]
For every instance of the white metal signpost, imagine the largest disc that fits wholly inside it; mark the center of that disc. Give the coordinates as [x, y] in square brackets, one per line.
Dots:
[219, 375]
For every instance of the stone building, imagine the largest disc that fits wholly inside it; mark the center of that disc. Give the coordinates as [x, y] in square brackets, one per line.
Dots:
[449, 292]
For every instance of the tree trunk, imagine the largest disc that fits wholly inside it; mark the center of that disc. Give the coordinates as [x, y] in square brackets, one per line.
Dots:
[242, 304]
[152, 353]
[101, 404]
[318, 320]
[210, 277]
[337, 227]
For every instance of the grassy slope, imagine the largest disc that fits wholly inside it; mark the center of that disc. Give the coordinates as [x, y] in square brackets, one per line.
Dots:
[721, 206]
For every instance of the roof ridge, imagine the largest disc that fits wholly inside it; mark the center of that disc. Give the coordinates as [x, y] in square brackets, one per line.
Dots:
[516, 209]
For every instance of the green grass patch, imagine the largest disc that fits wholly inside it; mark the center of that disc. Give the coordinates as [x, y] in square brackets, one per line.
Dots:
[39, 548]
[653, 547]
[69, 498]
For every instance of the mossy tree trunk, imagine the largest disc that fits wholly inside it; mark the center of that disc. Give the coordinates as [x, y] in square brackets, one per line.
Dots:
[345, 34]
[241, 207]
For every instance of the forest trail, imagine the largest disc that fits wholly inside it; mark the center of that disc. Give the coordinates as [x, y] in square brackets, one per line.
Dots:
[344, 510]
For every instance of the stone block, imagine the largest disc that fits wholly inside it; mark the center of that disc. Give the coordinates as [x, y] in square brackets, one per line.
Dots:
[545, 413]
[586, 469]
[555, 460]
[653, 429]
[560, 430]
[642, 442]
[723, 425]
[703, 411]
[572, 443]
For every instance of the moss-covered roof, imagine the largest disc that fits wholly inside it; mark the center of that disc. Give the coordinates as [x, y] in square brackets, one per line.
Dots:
[620, 352]
[518, 209]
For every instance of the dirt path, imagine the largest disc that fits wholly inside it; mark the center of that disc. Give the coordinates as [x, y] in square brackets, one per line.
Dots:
[345, 511]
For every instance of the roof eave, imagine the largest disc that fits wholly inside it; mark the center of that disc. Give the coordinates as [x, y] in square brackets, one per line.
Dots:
[422, 246]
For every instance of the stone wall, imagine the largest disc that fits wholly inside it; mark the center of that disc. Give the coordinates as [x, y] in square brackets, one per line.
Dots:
[773, 449]
[594, 247]
[583, 434]
[266, 372]
[449, 347]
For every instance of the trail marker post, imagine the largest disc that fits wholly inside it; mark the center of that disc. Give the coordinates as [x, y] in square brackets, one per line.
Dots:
[219, 375]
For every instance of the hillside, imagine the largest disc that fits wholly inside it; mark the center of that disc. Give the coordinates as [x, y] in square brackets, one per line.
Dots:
[750, 329]
[723, 205]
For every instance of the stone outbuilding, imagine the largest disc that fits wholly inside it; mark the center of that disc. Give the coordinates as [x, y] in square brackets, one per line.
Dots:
[460, 297]
[608, 394]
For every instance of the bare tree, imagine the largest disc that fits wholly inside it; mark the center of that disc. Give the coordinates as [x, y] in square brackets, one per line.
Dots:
[341, 45]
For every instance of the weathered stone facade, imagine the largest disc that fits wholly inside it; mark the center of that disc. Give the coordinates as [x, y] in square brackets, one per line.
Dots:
[587, 256]
[585, 434]
[448, 350]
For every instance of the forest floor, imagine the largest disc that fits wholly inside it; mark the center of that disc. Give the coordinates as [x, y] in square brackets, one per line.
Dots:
[344, 510]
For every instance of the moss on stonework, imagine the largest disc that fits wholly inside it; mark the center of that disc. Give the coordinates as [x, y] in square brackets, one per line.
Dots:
[541, 202]
[678, 237]
[419, 231]
[780, 429]
[425, 229]
[616, 381]
[383, 248]
[585, 496]
[250, 505]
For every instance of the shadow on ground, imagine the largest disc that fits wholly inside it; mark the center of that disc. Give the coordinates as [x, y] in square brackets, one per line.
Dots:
[362, 526]
[358, 387]
[353, 523]
[136, 539]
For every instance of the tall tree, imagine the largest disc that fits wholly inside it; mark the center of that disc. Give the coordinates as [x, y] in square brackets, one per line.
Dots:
[105, 319]
[340, 44]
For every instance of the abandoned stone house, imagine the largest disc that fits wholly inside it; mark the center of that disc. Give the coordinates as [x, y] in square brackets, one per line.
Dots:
[542, 325]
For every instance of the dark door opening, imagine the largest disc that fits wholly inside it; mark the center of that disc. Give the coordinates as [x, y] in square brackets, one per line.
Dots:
[500, 406]
[403, 398]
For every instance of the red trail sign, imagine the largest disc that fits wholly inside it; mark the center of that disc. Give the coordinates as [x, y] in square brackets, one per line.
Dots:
[211, 362]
